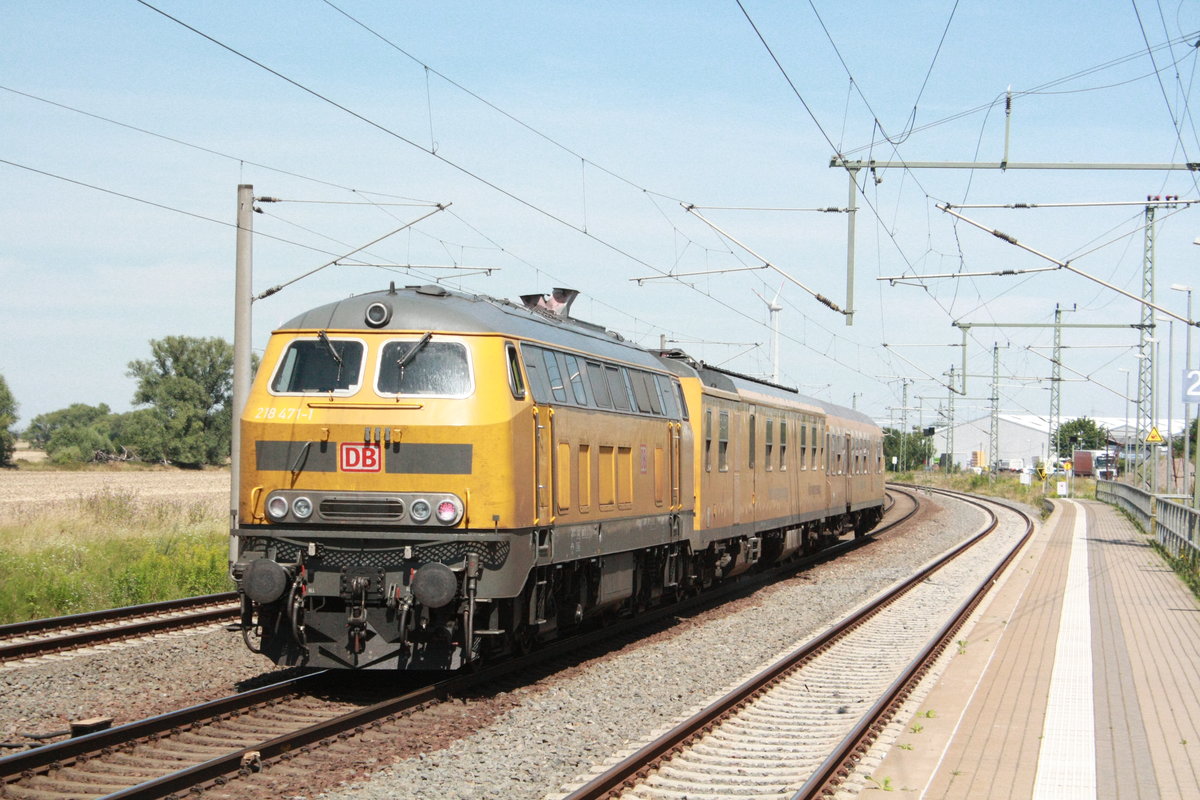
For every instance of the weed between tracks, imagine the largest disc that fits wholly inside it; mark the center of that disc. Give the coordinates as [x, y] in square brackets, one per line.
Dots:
[109, 549]
[1004, 486]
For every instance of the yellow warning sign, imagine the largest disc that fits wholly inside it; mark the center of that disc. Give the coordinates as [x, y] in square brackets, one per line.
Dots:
[1066, 466]
[1154, 437]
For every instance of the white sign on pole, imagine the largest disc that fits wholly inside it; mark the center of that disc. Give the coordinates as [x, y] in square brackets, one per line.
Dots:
[1191, 386]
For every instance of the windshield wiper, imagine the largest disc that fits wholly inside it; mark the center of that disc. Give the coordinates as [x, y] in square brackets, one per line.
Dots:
[337, 357]
[406, 359]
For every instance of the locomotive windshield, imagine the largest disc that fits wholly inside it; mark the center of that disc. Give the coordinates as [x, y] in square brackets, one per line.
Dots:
[319, 365]
[424, 367]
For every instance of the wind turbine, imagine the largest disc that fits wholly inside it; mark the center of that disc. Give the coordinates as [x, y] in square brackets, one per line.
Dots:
[774, 307]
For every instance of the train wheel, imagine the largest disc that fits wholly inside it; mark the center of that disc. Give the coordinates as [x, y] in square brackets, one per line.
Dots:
[524, 639]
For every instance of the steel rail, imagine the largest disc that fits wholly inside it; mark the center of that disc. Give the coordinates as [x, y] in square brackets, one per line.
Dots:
[838, 766]
[68, 750]
[635, 766]
[65, 641]
[111, 614]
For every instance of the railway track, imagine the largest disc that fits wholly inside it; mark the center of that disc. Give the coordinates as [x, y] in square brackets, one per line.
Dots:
[797, 729]
[254, 735]
[57, 634]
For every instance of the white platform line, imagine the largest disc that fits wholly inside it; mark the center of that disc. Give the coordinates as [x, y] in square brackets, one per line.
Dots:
[1067, 760]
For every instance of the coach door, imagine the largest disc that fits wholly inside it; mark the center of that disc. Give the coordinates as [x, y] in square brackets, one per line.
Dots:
[543, 464]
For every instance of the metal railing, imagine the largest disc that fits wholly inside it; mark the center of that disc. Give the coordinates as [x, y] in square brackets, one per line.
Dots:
[1175, 526]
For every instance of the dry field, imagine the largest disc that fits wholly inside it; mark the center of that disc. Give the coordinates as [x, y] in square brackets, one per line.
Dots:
[25, 493]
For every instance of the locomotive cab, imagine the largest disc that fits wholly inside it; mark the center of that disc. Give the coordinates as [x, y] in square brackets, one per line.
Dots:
[372, 443]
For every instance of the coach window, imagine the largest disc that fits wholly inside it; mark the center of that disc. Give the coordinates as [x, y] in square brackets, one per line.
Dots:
[769, 444]
[804, 447]
[617, 389]
[723, 443]
[516, 383]
[753, 442]
[575, 376]
[599, 384]
[319, 365]
[555, 376]
[708, 440]
[782, 445]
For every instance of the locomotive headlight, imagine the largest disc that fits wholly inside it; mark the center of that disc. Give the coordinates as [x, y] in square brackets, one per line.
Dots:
[302, 507]
[448, 511]
[277, 507]
[419, 510]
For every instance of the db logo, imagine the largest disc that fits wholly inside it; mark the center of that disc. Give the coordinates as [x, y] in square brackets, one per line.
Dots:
[356, 457]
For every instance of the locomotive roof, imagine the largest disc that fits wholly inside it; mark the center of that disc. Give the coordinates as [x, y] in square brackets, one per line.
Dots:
[435, 308]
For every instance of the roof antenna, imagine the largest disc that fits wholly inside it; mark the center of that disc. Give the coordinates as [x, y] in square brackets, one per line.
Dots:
[391, 287]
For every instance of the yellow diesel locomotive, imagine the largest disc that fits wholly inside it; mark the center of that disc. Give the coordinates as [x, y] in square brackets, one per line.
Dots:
[428, 477]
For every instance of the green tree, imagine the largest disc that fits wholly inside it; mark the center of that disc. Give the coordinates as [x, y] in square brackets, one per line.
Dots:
[74, 444]
[8, 418]
[188, 382]
[1088, 436]
[142, 433]
[912, 450]
[43, 428]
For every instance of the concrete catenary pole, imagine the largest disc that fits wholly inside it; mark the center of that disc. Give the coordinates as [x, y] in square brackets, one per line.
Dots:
[241, 344]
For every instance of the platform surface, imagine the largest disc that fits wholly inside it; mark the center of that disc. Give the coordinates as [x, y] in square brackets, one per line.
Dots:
[1080, 678]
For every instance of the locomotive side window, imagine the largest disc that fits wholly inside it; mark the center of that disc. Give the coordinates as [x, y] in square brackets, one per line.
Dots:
[424, 367]
[535, 368]
[516, 383]
[575, 376]
[319, 365]
[666, 396]
[640, 394]
[617, 389]
[555, 376]
[599, 384]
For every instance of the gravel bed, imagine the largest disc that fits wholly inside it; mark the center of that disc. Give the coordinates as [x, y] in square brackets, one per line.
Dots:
[127, 680]
[576, 722]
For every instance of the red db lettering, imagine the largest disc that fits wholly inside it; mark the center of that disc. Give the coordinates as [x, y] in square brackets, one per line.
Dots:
[355, 457]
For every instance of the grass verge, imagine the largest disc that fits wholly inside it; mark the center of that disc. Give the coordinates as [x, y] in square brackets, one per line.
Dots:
[111, 549]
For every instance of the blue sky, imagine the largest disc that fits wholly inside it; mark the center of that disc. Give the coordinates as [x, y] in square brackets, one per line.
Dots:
[566, 136]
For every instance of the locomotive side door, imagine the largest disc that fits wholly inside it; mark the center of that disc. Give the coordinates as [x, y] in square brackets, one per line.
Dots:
[543, 464]
[675, 434]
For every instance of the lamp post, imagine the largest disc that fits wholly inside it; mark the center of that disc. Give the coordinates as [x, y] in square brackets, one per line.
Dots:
[1187, 364]
[1125, 442]
[1170, 476]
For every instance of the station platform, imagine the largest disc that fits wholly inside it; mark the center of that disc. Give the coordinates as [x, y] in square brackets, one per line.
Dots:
[1079, 678]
